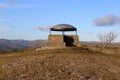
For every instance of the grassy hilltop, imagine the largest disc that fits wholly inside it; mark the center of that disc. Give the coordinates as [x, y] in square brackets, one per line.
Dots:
[60, 64]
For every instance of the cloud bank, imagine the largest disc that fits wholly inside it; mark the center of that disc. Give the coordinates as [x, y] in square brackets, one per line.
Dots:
[45, 28]
[109, 20]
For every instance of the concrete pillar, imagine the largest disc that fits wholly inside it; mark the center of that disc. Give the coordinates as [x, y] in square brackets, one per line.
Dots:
[76, 32]
[63, 32]
[50, 32]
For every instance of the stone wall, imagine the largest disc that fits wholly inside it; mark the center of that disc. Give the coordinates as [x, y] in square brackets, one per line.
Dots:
[62, 41]
[55, 41]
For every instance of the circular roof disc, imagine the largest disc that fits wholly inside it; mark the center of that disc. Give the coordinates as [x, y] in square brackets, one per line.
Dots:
[63, 27]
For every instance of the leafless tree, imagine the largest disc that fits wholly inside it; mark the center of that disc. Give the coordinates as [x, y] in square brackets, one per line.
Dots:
[107, 38]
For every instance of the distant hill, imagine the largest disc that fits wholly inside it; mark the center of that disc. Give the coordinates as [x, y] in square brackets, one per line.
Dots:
[7, 45]
[14, 44]
[97, 43]
[92, 43]
[38, 43]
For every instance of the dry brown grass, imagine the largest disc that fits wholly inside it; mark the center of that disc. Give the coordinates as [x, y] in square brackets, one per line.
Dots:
[60, 64]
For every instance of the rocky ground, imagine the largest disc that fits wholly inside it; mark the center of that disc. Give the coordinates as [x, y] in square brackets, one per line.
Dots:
[69, 64]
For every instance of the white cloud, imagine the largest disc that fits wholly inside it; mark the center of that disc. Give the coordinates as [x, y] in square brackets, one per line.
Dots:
[45, 28]
[108, 20]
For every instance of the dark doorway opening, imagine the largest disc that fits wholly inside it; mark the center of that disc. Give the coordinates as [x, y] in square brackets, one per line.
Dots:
[68, 40]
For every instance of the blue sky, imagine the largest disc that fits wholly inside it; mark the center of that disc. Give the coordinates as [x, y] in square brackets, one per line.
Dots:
[20, 19]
